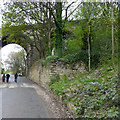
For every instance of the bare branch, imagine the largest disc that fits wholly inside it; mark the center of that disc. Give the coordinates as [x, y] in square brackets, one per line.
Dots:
[66, 10]
[73, 11]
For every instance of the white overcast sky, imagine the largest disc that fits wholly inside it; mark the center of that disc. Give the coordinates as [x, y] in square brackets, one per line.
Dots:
[6, 50]
[69, 1]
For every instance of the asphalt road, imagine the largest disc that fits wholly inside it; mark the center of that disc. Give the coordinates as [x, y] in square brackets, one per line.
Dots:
[20, 100]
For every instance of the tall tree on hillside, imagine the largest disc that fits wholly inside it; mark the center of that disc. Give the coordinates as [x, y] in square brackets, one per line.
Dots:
[58, 30]
[112, 19]
[118, 19]
[88, 14]
[95, 21]
[55, 10]
[110, 13]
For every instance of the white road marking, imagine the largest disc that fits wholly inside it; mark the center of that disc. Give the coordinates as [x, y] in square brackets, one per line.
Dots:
[15, 85]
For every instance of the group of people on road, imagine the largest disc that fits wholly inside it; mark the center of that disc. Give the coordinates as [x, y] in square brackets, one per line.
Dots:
[7, 76]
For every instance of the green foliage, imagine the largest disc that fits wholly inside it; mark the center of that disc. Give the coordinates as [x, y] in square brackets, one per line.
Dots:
[73, 37]
[76, 57]
[67, 59]
[47, 60]
[16, 61]
[93, 80]
[53, 80]
[36, 30]
[57, 85]
[74, 45]
[14, 32]
[50, 58]
[58, 88]
[100, 39]
[75, 31]
[2, 70]
[98, 100]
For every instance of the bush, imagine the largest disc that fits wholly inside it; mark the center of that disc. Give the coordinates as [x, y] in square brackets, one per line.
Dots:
[73, 58]
[47, 60]
[53, 80]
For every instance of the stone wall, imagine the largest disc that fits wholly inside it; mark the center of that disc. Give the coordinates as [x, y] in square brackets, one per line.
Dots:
[41, 74]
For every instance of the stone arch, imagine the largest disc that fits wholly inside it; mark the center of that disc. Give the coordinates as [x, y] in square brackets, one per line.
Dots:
[27, 48]
[22, 35]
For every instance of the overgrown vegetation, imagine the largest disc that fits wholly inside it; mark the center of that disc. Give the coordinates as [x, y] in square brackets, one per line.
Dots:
[93, 95]
[89, 35]
[47, 60]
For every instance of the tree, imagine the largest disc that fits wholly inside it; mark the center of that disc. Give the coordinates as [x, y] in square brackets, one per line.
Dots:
[110, 13]
[16, 61]
[118, 19]
[57, 17]
[87, 13]
[30, 18]
[37, 15]
[93, 28]
[2, 70]
[43, 24]
[58, 30]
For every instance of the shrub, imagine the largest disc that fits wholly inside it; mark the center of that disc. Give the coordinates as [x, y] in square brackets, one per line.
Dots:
[53, 80]
[47, 60]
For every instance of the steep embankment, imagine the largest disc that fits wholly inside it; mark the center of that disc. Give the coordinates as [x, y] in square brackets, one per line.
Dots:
[90, 95]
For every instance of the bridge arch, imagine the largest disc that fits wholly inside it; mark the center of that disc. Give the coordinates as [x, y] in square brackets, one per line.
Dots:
[6, 53]
[21, 35]
[27, 47]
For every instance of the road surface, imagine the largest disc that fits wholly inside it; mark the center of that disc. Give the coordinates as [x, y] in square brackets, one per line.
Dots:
[20, 100]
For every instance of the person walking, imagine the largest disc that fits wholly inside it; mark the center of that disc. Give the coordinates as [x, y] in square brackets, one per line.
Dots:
[3, 78]
[7, 77]
[16, 75]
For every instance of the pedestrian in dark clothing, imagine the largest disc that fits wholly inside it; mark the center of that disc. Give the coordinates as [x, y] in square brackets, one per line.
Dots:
[3, 78]
[16, 75]
[7, 77]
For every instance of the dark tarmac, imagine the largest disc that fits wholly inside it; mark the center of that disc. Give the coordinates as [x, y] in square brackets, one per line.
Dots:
[20, 100]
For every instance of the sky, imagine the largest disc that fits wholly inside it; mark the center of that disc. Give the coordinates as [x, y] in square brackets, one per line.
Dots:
[6, 50]
[70, 1]
[1, 4]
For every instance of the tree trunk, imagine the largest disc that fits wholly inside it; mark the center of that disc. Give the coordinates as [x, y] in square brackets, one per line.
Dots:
[112, 38]
[119, 40]
[49, 33]
[58, 31]
[89, 58]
